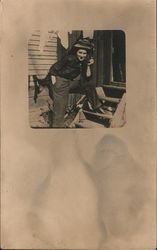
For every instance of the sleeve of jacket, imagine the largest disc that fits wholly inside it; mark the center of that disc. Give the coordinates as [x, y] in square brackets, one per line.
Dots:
[56, 67]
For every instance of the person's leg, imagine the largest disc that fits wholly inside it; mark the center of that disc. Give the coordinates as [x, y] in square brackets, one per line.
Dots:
[60, 95]
[88, 90]
[74, 86]
[92, 97]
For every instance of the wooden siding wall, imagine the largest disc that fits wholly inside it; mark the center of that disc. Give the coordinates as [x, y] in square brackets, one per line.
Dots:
[40, 58]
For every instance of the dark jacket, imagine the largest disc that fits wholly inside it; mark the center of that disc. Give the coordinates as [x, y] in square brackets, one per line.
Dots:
[69, 67]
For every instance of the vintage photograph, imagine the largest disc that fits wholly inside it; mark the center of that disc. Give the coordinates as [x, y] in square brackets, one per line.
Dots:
[77, 79]
[78, 125]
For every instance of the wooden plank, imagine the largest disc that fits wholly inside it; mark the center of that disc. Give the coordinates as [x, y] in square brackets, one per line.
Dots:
[111, 99]
[42, 71]
[114, 87]
[35, 65]
[50, 45]
[38, 71]
[51, 41]
[102, 96]
[37, 52]
[36, 42]
[37, 60]
[51, 35]
[39, 67]
[119, 118]
[39, 75]
[49, 31]
[34, 71]
[107, 116]
[40, 63]
[35, 47]
[50, 49]
[35, 35]
[38, 32]
[52, 31]
[47, 67]
[100, 93]
[120, 84]
[42, 56]
[76, 120]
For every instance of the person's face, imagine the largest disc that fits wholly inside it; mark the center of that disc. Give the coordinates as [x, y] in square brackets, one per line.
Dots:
[81, 54]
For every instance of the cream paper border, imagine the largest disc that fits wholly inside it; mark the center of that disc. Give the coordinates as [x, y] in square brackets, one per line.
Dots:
[28, 154]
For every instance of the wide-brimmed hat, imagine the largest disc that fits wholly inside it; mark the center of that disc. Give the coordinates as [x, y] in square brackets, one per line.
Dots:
[84, 44]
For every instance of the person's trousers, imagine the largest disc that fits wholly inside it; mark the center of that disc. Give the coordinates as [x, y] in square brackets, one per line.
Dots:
[61, 90]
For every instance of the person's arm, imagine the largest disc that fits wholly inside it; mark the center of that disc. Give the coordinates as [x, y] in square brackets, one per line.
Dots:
[53, 79]
[88, 72]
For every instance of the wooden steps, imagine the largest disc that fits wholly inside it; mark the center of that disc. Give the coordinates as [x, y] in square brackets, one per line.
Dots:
[81, 121]
[119, 118]
[115, 120]
[106, 116]
[103, 97]
[114, 87]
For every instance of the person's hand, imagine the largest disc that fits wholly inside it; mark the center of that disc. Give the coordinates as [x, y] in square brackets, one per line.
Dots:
[53, 79]
[91, 61]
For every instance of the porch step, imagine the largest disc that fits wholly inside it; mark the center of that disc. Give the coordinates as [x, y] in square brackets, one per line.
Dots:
[112, 99]
[114, 87]
[102, 96]
[107, 116]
